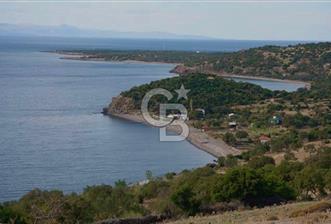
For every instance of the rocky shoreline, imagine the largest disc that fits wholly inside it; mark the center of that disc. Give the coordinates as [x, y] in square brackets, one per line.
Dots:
[120, 108]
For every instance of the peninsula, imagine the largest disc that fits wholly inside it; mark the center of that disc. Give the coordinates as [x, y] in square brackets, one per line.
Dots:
[303, 62]
[273, 147]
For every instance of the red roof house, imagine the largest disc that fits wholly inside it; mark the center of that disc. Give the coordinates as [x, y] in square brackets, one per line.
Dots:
[264, 139]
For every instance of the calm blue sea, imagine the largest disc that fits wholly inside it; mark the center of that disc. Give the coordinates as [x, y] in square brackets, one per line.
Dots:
[51, 132]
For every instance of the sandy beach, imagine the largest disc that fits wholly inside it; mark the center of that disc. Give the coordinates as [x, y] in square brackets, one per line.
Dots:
[204, 142]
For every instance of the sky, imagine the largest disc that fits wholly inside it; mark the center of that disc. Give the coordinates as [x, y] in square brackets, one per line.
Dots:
[227, 20]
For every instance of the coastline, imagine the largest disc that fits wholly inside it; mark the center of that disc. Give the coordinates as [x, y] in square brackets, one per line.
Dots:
[201, 140]
[307, 84]
[87, 57]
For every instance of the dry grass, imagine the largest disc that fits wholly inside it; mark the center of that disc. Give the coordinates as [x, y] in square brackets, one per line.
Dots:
[278, 157]
[320, 207]
[296, 213]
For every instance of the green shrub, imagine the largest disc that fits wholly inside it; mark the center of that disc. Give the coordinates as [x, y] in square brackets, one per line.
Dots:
[185, 199]
[261, 161]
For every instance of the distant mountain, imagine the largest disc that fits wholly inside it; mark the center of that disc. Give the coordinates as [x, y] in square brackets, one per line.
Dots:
[72, 31]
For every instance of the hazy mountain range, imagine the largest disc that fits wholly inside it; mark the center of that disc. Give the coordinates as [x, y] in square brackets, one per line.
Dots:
[72, 31]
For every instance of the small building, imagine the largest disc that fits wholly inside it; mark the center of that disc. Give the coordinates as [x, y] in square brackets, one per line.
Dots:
[264, 139]
[231, 115]
[178, 117]
[205, 128]
[171, 116]
[201, 113]
[233, 125]
[276, 120]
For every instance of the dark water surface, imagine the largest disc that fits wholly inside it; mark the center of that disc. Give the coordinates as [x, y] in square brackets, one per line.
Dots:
[51, 132]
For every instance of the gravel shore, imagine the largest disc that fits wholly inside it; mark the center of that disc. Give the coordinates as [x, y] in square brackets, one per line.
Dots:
[198, 138]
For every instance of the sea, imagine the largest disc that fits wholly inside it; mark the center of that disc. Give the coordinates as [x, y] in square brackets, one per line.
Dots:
[52, 134]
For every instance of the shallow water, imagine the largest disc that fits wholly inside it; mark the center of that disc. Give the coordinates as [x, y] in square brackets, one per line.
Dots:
[273, 85]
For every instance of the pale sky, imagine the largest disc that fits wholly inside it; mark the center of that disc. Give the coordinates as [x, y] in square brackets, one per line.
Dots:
[248, 20]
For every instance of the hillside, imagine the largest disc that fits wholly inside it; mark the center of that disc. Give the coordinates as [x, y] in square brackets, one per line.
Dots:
[276, 123]
[295, 213]
[304, 62]
[285, 144]
[299, 62]
[293, 165]
[188, 58]
[211, 93]
[232, 192]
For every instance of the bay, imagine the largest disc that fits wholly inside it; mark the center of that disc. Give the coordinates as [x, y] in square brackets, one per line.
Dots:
[52, 135]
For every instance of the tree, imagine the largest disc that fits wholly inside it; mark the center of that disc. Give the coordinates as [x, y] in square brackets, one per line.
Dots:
[240, 184]
[287, 170]
[327, 180]
[230, 138]
[229, 161]
[251, 186]
[241, 134]
[39, 206]
[310, 182]
[185, 199]
[260, 161]
[259, 149]
[8, 215]
[76, 210]
[299, 121]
